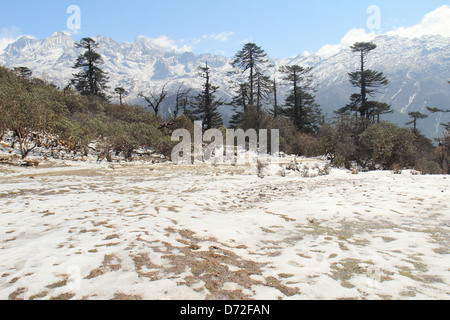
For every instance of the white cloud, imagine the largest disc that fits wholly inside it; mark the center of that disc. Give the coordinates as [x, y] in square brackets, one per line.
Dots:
[185, 45]
[7, 36]
[436, 22]
[195, 41]
[166, 43]
[248, 40]
[223, 36]
[354, 35]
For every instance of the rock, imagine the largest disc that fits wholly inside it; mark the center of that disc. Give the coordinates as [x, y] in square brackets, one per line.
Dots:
[31, 163]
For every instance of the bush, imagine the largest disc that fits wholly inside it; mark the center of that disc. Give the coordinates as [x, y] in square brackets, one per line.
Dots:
[442, 153]
[37, 112]
[388, 144]
[306, 145]
[427, 166]
[339, 162]
[340, 142]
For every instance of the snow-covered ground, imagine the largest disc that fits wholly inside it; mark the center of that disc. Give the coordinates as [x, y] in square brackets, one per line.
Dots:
[136, 231]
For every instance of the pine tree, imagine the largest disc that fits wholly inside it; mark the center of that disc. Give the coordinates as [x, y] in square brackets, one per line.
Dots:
[276, 109]
[376, 109]
[91, 80]
[353, 106]
[250, 59]
[437, 110]
[23, 72]
[263, 87]
[121, 92]
[205, 105]
[250, 63]
[300, 105]
[367, 80]
[443, 151]
[416, 116]
[239, 103]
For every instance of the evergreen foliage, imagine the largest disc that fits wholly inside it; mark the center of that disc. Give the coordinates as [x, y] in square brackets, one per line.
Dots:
[416, 116]
[368, 81]
[250, 62]
[121, 92]
[91, 80]
[300, 105]
[205, 105]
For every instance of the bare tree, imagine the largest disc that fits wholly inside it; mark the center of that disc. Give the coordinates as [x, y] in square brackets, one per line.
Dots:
[155, 100]
[181, 104]
[182, 100]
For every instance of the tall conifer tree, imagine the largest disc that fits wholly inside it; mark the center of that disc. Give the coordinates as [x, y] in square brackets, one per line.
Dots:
[91, 79]
[250, 63]
[205, 105]
[300, 105]
[367, 80]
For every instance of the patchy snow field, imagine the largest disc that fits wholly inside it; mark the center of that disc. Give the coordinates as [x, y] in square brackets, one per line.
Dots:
[136, 231]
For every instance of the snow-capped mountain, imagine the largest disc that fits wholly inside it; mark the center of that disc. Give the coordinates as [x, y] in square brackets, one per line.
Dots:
[418, 70]
[137, 67]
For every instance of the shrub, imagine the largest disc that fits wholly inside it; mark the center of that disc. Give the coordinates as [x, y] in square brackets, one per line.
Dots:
[339, 143]
[388, 144]
[339, 162]
[442, 153]
[427, 166]
[306, 145]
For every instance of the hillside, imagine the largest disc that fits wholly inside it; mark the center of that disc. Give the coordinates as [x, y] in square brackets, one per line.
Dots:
[418, 70]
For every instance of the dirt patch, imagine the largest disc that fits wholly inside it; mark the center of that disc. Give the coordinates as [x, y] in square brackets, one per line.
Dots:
[141, 262]
[39, 295]
[110, 263]
[17, 295]
[419, 276]
[126, 297]
[275, 283]
[64, 296]
[345, 270]
[216, 267]
[112, 236]
[58, 284]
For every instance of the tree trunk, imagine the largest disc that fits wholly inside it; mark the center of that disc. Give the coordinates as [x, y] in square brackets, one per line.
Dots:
[364, 112]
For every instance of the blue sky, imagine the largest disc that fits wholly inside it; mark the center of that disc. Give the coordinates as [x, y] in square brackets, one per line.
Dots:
[283, 28]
